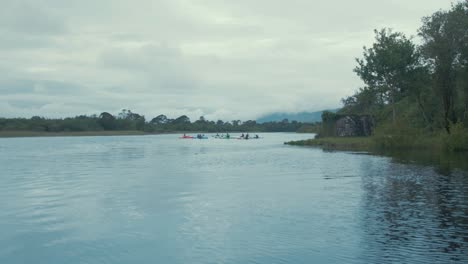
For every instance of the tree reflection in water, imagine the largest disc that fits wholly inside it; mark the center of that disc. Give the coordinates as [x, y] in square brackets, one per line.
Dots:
[414, 210]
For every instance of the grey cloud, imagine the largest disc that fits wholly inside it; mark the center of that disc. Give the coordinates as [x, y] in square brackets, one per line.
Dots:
[39, 87]
[29, 25]
[27, 104]
[159, 65]
[142, 57]
[223, 59]
[29, 17]
[9, 41]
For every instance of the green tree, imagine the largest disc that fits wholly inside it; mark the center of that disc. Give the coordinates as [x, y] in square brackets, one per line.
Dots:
[183, 119]
[364, 101]
[107, 121]
[387, 65]
[445, 37]
[160, 119]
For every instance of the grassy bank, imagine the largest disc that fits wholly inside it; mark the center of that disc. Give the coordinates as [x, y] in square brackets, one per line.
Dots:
[444, 153]
[455, 142]
[374, 143]
[337, 143]
[9, 134]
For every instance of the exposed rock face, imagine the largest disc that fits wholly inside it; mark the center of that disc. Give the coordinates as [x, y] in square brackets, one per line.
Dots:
[354, 126]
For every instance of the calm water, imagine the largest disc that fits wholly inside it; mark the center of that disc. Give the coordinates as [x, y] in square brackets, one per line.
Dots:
[159, 199]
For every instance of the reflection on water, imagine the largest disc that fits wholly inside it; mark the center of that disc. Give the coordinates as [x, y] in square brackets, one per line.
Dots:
[413, 214]
[165, 200]
[443, 162]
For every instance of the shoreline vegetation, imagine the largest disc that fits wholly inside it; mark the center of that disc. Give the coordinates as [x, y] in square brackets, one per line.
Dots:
[456, 141]
[16, 134]
[336, 143]
[130, 123]
[21, 134]
[373, 144]
[415, 93]
[428, 151]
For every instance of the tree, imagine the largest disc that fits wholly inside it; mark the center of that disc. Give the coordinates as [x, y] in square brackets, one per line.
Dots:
[107, 121]
[124, 114]
[182, 120]
[445, 37]
[160, 119]
[387, 65]
[236, 123]
[460, 16]
[419, 92]
[364, 101]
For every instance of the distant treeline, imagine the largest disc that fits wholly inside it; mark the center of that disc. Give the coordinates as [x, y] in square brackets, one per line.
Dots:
[416, 89]
[128, 120]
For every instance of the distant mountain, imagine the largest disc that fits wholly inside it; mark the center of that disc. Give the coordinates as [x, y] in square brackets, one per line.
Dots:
[308, 117]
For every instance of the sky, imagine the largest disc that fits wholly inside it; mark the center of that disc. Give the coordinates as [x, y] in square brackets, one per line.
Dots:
[237, 59]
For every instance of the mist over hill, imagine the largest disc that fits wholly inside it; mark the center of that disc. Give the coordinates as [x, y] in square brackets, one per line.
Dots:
[307, 117]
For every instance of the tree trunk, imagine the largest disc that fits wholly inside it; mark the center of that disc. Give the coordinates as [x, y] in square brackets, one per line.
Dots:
[446, 89]
[423, 111]
[465, 114]
[393, 107]
[446, 113]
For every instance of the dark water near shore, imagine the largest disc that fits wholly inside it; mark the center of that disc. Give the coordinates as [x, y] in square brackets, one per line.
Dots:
[159, 199]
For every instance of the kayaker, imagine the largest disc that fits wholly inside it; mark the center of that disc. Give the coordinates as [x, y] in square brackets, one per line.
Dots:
[242, 135]
[256, 136]
[247, 136]
[227, 135]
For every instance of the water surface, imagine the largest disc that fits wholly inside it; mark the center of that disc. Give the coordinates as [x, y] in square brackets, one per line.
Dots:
[160, 199]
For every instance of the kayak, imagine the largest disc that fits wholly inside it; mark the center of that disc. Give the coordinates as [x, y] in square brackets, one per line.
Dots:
[193, 137]
[223, 137]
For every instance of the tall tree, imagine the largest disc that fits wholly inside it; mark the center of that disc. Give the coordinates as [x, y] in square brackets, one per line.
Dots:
[364, 101]
[444, 36]
[183, 119]
[462, 14]
[419, 92]
[160, 119]
[387, 65]
[107, 121]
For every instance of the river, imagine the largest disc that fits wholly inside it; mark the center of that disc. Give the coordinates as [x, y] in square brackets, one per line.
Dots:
[160, 199]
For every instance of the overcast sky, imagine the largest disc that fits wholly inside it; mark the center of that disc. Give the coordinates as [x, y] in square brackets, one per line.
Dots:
[235, 59]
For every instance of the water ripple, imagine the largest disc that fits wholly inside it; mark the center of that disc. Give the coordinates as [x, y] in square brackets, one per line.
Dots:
[163, 200]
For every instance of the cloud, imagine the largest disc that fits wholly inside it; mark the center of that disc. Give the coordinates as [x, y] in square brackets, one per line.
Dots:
[30, 17]
[222, 59]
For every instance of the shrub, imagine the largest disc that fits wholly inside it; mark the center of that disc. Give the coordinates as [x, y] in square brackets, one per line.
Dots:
[397, 136]
[457, 140]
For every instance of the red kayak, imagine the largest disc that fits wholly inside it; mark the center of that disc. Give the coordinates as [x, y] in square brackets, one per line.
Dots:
[186, 137]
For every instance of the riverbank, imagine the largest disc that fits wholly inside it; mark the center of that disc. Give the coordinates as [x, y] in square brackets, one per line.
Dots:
[375, 143]
[16, 134]
[432, 151]
[13, 134]
[337, 143]
[454, 143]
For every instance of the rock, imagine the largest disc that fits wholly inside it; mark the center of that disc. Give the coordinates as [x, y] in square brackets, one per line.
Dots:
[353, 126]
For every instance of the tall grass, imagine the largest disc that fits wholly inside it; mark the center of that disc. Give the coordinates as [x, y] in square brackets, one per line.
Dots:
[457, 140]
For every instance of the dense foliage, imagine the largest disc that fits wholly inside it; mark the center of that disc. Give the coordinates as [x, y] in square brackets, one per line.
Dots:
[417, 89]
[128, 120]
